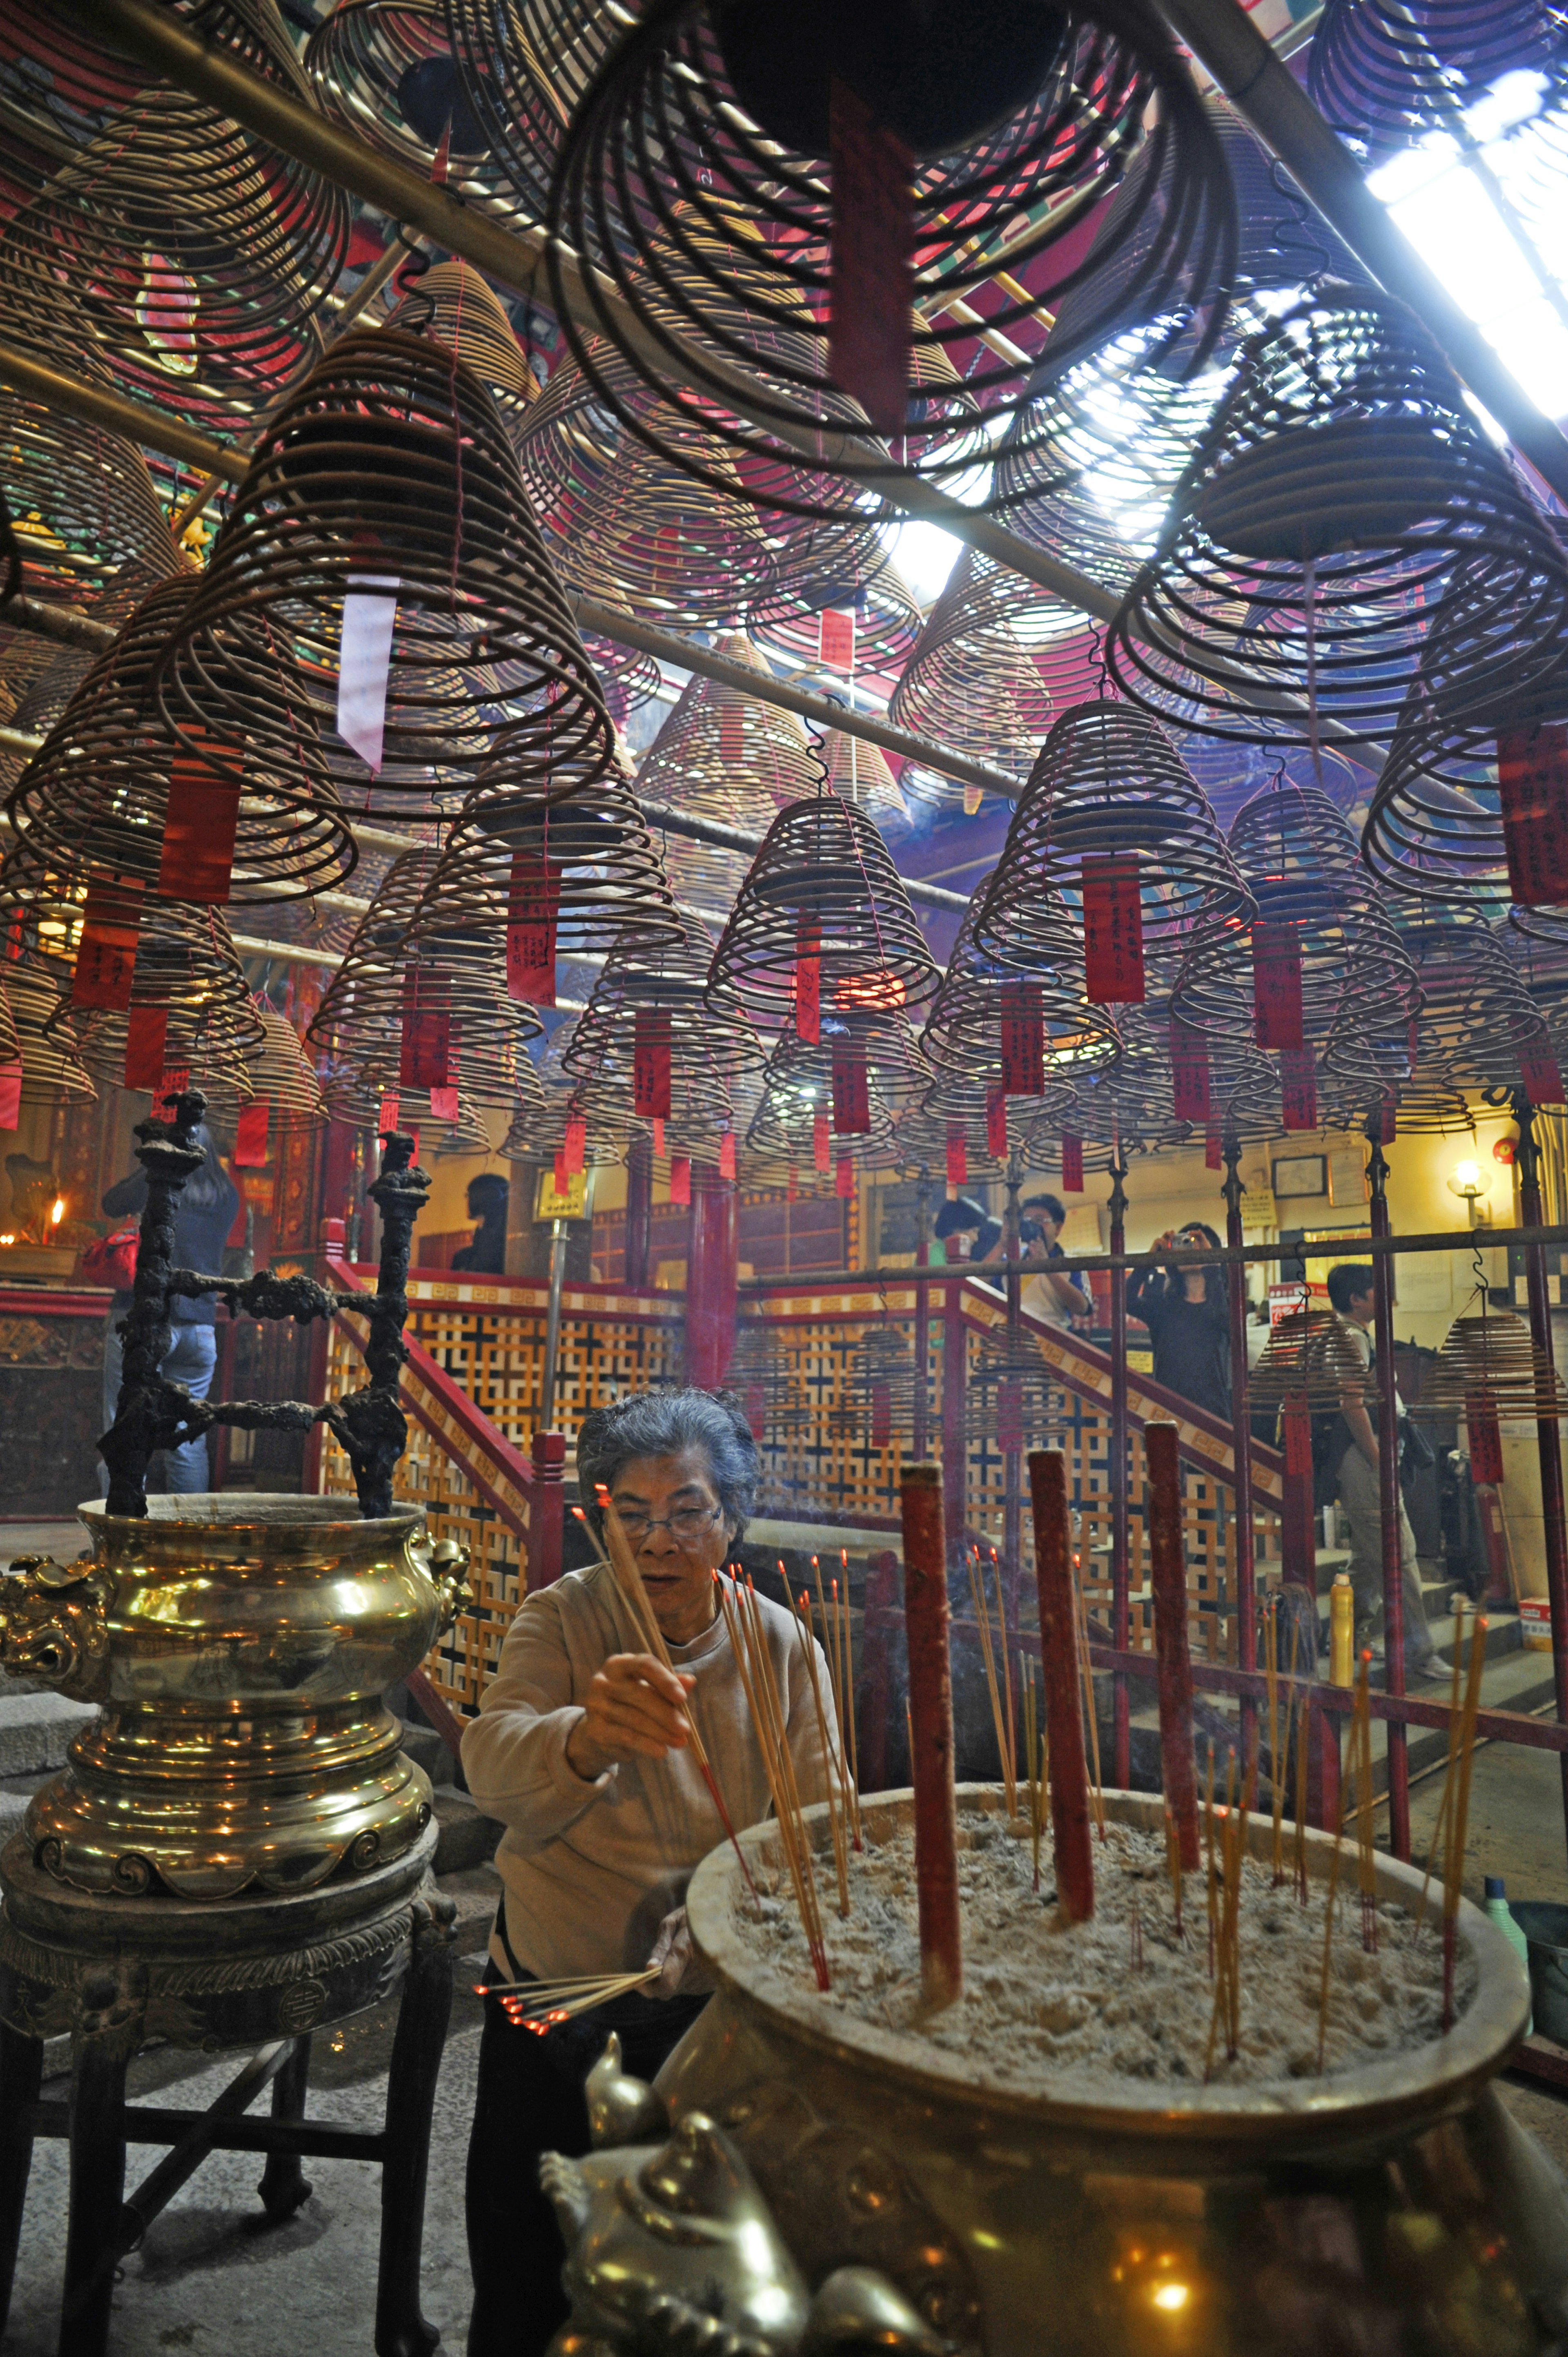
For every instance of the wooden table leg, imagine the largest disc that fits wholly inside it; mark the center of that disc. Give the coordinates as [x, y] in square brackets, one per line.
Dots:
[400, 2328]
[97, 2188]
[21, 2075]
[285, 2186]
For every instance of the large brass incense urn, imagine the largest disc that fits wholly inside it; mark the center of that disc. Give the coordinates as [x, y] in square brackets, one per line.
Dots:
[238, 1647]
[867, 2189]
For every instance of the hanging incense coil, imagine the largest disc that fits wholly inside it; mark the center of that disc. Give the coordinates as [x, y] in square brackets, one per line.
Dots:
[1385, 74]
[114, 788]
[881, 1389]
[1477, 1026]
[52, 1069]
[822, 891]
[859, 773]
[420, 999]
[539, 1129]
[524, 65]
[656, 1039]
[823, 1105]
[189, 1009]
[1488, 1359]
[58, 90]
[190, 254]
[982, 992]
[357, 485]
[282, 1073]
[385, 68]
[687, 128]
[1011, 1401]
[1131, 1099]
[1341, 497]
[1298, 858]
[452, 306]
[763, 1378]
[971, 683]
[554, 881]
[1110, 786]
[951, 1128]
[1310, 1363]
[851, 623]
[467, 1136]
[89, 524]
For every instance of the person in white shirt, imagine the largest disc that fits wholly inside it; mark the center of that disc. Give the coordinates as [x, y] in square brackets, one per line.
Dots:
[581, 1750]
[1048, 1291]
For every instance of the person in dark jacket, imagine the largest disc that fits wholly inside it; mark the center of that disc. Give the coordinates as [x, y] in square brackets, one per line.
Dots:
[483, 1254]
[1188, 1319]
[203, 1217]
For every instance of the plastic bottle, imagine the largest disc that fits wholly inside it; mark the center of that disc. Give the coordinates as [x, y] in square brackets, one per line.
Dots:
[1341, 1632]
[1497, 1906]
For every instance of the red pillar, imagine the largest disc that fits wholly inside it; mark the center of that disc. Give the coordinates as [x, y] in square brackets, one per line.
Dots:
[1121, 1579]
[546, 1510]
[640, 1214]
[955, 1454]
[1389, 1499]
[712, 1279]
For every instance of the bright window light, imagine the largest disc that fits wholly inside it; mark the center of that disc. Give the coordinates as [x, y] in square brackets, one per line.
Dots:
[925, 555]
[1450, 216]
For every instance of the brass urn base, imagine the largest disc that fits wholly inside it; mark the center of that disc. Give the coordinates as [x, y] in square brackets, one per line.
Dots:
[240, 1646]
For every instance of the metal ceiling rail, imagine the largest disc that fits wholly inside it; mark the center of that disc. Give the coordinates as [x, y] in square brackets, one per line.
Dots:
[1262, 89]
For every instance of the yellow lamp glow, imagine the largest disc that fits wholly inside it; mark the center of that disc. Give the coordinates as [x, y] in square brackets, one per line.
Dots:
[57, 1211]
[1467, 1181]
[1171, 2296]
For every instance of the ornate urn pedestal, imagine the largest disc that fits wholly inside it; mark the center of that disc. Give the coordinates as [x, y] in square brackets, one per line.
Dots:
[1397, 2208]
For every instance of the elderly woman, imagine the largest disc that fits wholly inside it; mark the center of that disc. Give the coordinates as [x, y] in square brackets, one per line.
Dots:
[581, 1749]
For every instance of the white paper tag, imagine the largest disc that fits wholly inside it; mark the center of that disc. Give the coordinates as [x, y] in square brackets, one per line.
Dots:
[364, 661]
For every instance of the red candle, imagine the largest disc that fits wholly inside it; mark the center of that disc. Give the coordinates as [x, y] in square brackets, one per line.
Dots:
[930, 1722]
[1059, 1663]
[1168, 1556]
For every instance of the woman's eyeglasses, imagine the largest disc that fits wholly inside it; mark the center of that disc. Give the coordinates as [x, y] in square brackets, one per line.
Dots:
[685, 1525]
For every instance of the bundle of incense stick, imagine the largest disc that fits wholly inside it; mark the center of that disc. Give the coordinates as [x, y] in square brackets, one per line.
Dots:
[832, 1756]
[1091, 1717]
[628, 1579]
[988, 1654]
[1361, 1755]
[748, 1642]
[1302, 1760]
[1276, 1780]
[1456, 1719]
[1209, 1860]
[1035, 1765]
[539, 2006]
[1459, 1815]
[841, 1661]
[1172, 1867]
[1227, 1968]
[1011, 1754]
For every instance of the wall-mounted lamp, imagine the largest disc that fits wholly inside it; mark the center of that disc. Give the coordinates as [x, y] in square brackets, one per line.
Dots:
[1468, 1183]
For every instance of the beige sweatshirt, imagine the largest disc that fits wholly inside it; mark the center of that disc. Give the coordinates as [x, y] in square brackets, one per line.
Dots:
[591, 1868]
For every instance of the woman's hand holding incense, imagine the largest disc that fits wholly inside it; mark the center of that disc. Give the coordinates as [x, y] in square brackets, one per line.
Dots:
[634, 1705]
[680, 1973]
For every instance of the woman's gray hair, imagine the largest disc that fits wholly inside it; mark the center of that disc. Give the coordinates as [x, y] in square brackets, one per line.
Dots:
[660, 1424]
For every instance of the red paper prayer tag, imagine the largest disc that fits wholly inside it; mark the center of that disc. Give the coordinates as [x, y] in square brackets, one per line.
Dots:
[442, 1104]
[1010, 1416]
[1072, 1166]
[386, 1120]
[881, 1416]
[563, 1175]
[844, 1177]
[650, 1092]
[1298, 1439]
[250, 1135]
[14, 942]
[658, 1137]
[821, 1142]
[201, 816]
[172, 1084]
[726, 1154]
[413, 1148]
[1112, 931]
[996, 1123]
[1532, 788]
[1276, 987]
[10, 1097]
[424, 1057]
[792, 1186]
[1388, 1114]
[1298, 1089]
[106, 954]
[1539, 1073]
[1213, 1156]
[533, 907]
[958, 1158]
[575, 1144]
[147, 1033]
[838, 639]
[872, 291]
[680, 1178]
[1189, 1073]
[852, 1094]
[1485, 1438]
[1023, 1041]
[808, 984]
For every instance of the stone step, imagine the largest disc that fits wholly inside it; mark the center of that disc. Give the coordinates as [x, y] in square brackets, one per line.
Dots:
[428, 1750]
[34, 1730]
[466, 1837]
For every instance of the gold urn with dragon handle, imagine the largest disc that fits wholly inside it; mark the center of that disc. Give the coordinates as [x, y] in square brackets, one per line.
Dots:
[239, 1648]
